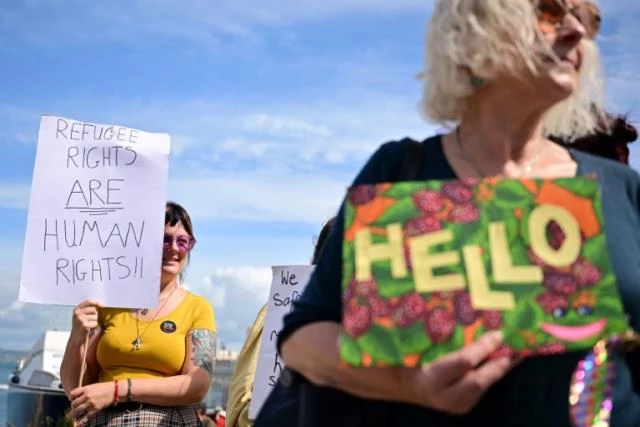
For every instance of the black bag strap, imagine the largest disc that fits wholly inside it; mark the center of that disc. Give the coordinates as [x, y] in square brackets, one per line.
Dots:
[413, 160]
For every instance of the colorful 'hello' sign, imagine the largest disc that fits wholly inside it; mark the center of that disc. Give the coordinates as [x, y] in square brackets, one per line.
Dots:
[430, 266]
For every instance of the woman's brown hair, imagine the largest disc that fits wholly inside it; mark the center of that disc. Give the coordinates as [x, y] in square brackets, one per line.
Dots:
[611, 141]
[174, 213]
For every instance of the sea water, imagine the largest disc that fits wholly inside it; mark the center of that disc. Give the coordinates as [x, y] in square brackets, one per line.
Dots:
[6, 368]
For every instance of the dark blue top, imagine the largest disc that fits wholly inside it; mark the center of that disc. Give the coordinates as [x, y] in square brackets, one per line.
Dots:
[536, 392]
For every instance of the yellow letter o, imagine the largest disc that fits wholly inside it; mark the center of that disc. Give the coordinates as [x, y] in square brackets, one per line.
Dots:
[569, 251]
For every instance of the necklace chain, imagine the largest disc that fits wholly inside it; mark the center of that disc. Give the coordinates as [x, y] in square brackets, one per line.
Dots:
[524, 170]
[137, 342]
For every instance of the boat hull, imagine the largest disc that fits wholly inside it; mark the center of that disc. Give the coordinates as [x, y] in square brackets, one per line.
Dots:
[36, 407]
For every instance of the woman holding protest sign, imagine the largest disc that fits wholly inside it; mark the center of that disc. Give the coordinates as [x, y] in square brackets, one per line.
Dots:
[508, 73]
[146, 367]
[241, 389]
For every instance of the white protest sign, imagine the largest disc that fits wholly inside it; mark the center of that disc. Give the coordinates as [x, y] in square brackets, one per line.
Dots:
[287, 285]
[96, 215]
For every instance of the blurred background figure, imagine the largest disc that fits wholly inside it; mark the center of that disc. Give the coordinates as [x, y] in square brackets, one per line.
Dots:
[219, 417]
[240, 391]
[205, 420]
[611, 141]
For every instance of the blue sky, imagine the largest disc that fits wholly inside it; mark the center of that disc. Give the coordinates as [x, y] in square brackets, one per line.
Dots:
[273, 106]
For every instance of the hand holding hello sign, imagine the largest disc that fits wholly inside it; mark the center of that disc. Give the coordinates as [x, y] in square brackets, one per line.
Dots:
[430, 267]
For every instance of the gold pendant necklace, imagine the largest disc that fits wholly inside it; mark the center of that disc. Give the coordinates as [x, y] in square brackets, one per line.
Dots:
[137, 342]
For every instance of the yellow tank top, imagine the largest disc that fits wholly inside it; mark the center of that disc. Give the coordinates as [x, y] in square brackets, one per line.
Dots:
[164, 340]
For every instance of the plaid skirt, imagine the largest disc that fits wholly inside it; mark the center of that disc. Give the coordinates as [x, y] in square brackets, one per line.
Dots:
[143, 415]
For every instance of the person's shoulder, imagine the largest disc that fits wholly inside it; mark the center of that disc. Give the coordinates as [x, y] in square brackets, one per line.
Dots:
[606, 168]
[387, 160]
[616, 179]
[198, 301]
[262, 313]
[399, 147]
[261, 317]
[200, 310]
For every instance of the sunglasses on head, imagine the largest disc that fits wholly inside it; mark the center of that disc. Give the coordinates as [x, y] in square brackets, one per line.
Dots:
[552, 14]
[184, 243]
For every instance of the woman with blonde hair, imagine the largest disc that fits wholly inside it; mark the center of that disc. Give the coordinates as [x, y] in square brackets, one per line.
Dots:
[506, 73]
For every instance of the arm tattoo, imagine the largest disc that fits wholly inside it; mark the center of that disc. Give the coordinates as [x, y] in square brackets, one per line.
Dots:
[204, 349]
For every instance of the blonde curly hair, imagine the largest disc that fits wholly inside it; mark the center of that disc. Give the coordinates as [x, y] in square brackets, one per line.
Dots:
[482, 39]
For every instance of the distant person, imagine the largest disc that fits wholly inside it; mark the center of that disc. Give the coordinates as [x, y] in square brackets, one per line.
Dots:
[145, 367]
[611, 141]
[205, 421]
[241, 388]
[219, 417]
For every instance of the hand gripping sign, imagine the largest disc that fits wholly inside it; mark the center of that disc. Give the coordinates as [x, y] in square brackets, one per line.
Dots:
[430, 266]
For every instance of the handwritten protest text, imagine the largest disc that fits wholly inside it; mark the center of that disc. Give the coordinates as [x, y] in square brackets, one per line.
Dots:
[96, 215]
[75, 233]
[72, 271]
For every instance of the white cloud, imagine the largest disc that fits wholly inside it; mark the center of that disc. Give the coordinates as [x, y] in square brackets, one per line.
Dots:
[26, 137]
[19, 124]
[237, 293]
[291, 175]
[21, 324]
[253, 280]
[260, 196]
[349, 125]
[283, 126]
[14, 195]
[12, 113]
[180, 143]
[203, 22]
[241, 147]
[345, 126]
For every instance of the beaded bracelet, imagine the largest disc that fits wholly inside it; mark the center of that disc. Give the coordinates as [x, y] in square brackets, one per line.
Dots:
[116, 397]
[591, 392]
[129, 395]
